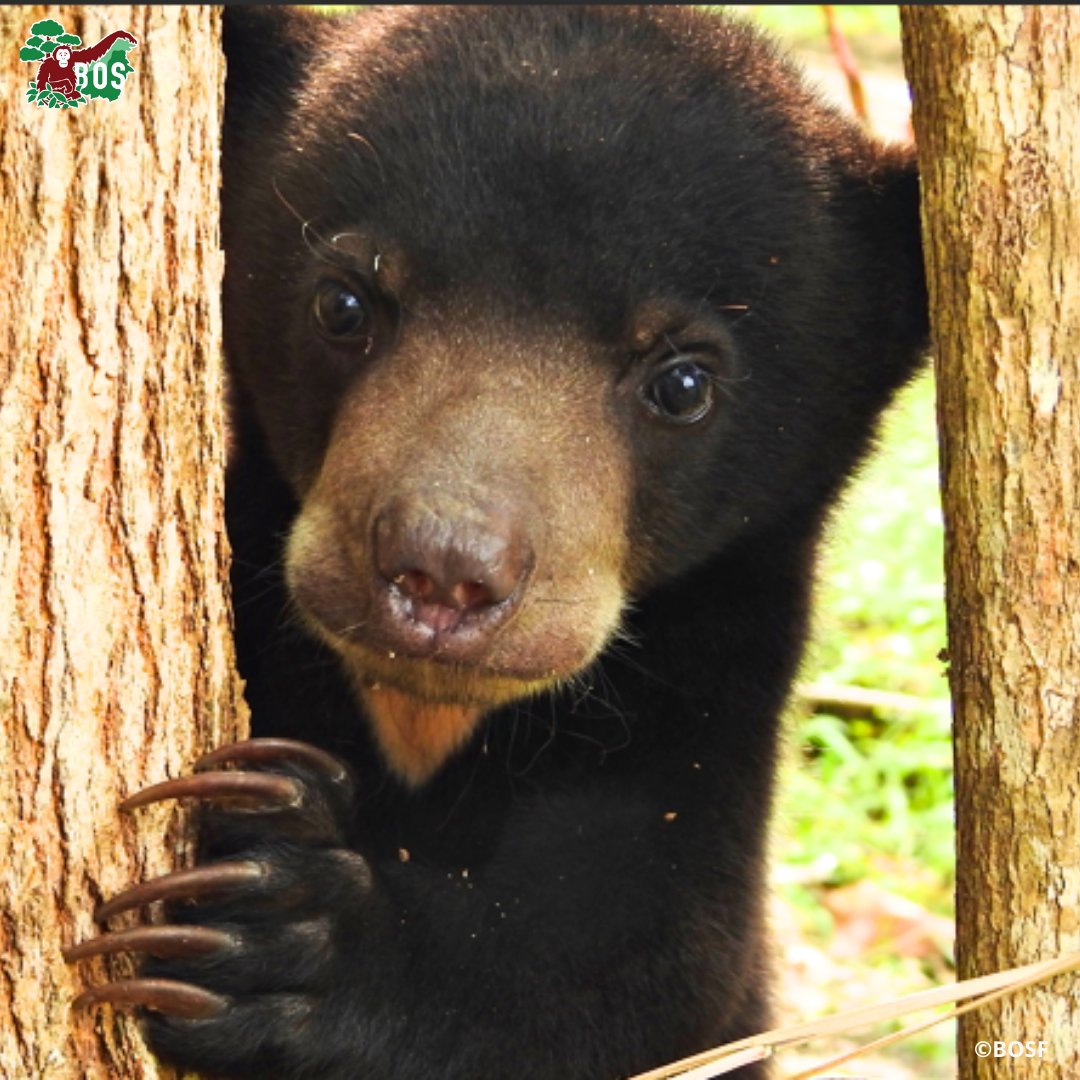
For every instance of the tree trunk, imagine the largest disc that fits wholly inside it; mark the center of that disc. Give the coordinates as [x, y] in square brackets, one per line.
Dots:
[115, 645]
[997, 119]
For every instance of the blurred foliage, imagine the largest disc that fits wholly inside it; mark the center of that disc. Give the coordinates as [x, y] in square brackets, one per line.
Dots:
[802, 26]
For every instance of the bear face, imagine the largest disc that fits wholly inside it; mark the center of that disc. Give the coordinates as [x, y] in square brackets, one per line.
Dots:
[551, 335]
[570, 305]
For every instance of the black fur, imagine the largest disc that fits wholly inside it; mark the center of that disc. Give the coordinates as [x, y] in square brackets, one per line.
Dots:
[577, 892]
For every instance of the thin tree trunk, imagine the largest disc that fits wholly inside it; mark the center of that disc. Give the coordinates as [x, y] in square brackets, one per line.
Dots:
[997, 119]
[115, 647]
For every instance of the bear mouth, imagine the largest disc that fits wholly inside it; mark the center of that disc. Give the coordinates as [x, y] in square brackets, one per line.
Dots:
[400, 626]
[436, 679]
[457, 664]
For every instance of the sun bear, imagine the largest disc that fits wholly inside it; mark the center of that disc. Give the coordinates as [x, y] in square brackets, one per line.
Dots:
[552, 334]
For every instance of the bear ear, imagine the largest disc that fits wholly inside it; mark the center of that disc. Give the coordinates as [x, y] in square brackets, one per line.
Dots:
[267, 52]
[882, 201]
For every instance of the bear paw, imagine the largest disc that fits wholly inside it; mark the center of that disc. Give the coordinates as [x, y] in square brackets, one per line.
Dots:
[251, 939]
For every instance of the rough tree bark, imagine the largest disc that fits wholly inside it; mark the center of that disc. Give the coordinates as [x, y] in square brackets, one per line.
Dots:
[115, 646]
[997, 119]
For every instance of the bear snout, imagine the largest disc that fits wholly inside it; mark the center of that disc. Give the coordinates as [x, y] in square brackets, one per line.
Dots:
[446, 563]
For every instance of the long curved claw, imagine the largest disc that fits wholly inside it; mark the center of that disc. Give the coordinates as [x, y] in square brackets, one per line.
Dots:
[265, 791]
[161, 995]
[264, 750]
[163, 941]
[184, 885]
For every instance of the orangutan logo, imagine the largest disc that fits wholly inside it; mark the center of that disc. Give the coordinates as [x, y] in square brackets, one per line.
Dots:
[68, 75]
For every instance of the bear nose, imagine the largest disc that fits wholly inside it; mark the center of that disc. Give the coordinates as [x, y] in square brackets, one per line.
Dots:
[450, 559]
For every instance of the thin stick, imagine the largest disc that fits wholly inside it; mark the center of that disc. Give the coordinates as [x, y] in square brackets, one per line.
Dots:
[984, 988]
[913, 1029]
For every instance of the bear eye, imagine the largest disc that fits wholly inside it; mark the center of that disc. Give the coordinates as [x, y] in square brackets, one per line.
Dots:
[682, 391]
[340, 311]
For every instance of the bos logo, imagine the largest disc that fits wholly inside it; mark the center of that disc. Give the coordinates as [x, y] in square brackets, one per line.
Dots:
[69, 74]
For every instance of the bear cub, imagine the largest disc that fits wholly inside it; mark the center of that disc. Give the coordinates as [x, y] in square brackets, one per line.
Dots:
[552, 334]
